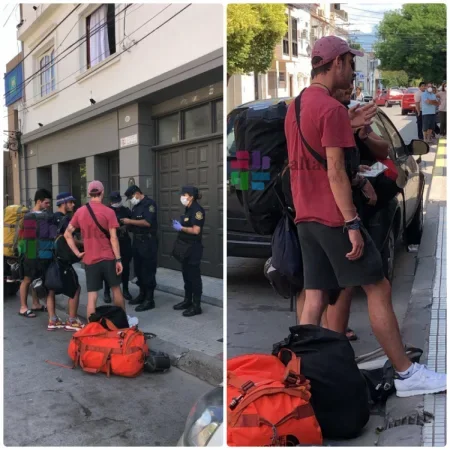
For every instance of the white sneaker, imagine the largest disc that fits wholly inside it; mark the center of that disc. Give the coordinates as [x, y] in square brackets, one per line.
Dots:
[423, 381]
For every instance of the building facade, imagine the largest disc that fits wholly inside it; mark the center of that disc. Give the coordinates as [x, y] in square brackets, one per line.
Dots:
[127, 94]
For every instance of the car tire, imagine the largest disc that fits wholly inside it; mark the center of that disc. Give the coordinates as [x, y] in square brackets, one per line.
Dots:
[415, 228]
[404, 112]
[11, 289]
[387, 104]
[388, 256]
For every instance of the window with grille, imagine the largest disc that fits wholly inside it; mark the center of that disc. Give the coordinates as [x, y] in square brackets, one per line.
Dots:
[101, 34]
[47, 73]
[286, 40]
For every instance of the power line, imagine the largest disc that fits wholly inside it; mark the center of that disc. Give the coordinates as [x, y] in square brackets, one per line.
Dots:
[59, 57]
[365, 10]
[132, 45]
[10, 14]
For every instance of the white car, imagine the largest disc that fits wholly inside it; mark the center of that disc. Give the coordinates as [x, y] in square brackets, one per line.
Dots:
[204, 425]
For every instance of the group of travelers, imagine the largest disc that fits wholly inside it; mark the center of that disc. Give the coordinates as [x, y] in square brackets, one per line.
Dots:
[333, 205]
[431, 109]
[49, 244]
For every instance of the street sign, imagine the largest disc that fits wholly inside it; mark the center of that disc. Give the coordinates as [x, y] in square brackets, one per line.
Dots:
[14, 85]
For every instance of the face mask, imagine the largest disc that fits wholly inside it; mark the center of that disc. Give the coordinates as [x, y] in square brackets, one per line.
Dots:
[117, 205]
[184, 201]
[430, 89]
[134, 201]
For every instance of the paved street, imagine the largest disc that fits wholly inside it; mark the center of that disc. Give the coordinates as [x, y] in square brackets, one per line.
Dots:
[257, 317]
[45, 405]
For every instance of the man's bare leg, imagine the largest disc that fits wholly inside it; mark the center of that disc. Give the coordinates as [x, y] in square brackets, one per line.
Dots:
[92, 303]
[24, 288]
[73, 304]
[385, 325]
[51, 305]
[314, 307]
[301, 303]
[338, 314]
[118, 297]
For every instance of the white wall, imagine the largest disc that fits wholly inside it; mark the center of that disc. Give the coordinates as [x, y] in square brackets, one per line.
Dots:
[176, 43]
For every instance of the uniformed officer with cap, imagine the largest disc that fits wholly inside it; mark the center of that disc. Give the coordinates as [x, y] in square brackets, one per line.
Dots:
[190, 231]
[143, 224]
[122, 212]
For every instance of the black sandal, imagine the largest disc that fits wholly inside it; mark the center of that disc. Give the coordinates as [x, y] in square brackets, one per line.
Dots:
[28, 314]
[43, 308]
[351, 335]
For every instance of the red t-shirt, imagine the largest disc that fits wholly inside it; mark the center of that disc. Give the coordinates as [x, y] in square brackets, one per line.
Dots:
[97, 246]
[324, 123]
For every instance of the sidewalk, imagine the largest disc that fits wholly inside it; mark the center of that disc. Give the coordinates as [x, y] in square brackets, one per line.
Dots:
[195, 344]
[421, 421]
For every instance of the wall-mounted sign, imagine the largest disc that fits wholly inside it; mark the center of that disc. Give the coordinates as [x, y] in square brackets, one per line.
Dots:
[14, 85]
[131, 182]
[129, 140]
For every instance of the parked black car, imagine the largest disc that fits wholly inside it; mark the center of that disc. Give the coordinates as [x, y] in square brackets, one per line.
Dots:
[403, 218]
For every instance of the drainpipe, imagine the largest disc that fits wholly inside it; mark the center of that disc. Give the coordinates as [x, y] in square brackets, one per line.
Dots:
[21, 149]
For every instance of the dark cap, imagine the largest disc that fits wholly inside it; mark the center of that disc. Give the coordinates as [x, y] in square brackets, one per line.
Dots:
[131, 191]
[115, 196]
[191, 190]
[64, 197]
[329, 48]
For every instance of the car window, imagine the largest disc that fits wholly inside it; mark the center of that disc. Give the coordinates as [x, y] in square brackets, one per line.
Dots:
[412, 90]
[397, 142]
[379, 129]
[231, 143]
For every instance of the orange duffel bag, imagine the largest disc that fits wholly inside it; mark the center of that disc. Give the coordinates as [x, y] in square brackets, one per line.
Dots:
[268, 403]
[120, 352]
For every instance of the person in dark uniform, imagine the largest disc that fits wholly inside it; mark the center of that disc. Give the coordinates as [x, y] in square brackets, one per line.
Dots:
[190, 231]
[143, 224]
[122, 212]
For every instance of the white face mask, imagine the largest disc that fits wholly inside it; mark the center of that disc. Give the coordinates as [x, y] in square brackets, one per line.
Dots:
[117, 205]
[184, 201]
[430, 89]
[134, 201]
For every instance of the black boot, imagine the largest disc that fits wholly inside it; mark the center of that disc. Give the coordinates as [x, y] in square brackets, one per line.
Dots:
[185, 304]
[107, 297]
[149, 302]
[139, 299]
[195, 309]
[126, 294]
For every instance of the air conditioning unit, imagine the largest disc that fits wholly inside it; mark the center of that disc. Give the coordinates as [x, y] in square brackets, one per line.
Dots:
[320, 12]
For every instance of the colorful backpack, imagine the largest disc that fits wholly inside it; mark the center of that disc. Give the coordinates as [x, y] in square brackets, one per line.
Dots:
[12, 223]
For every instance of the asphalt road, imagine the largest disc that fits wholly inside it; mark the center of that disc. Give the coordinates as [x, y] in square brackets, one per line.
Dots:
[45, 405]
[257, 317]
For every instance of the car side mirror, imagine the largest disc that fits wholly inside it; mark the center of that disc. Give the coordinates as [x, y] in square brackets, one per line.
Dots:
[418, 147]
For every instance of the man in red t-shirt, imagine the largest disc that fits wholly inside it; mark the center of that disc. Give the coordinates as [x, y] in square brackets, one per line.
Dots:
[337, 250]
[102, 250]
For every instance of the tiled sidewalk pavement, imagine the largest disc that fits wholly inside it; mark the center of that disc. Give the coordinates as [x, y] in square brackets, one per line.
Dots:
[434, 433]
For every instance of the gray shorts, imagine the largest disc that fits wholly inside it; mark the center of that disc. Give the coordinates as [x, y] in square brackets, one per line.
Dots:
[99, 272]
[325, 265]
[428, 122]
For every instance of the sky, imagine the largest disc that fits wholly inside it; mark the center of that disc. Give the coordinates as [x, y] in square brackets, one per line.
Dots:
[363, 17]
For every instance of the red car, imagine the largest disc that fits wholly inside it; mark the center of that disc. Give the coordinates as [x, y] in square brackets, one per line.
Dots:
[389, 98]
[408, 104]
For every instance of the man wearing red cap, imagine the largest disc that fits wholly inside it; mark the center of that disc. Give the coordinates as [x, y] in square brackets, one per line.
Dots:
[98, 225]
[337, 250]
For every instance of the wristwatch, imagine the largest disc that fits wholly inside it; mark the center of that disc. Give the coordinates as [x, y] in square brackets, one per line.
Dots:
[354, 224]
[119, 260]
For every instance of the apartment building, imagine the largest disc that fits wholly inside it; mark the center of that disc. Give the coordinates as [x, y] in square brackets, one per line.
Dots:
[127, 94]
[291, 66]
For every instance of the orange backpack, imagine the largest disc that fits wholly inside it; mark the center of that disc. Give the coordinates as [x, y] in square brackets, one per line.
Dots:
[121, 352]
[268, 403]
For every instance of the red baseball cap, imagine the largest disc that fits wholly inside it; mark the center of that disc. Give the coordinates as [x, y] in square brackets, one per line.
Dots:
[330, 47]
[95, 187]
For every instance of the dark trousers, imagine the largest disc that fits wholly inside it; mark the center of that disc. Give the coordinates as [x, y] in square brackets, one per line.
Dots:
[126, 260]
[443, 122]
[419, 126]
[145, 257]
[192, 279]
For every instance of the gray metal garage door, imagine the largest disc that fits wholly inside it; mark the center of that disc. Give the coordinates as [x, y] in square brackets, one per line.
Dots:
[199, 164]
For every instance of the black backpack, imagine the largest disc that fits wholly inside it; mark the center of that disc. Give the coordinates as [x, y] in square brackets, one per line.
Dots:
[114, 313]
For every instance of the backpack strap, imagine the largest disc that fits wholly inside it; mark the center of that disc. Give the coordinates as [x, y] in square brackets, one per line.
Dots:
[322, 161]
[91, 212]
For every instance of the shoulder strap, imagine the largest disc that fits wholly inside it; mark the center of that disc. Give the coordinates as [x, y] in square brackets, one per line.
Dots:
[91, 212]
[322, 161]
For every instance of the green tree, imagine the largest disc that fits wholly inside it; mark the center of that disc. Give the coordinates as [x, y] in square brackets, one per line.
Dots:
[253, 31]
[355, 45]
[395, 78]
[414, 39]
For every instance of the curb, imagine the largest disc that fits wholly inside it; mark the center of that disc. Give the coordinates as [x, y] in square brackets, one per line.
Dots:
[205, 367]
[407, 415]
[180, 293]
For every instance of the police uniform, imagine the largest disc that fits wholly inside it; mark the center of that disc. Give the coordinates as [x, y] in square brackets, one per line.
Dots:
[126, 254]
[194, 215]
[145, 250]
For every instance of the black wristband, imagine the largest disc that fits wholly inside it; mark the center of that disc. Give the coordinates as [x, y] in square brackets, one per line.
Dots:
[119, 260]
